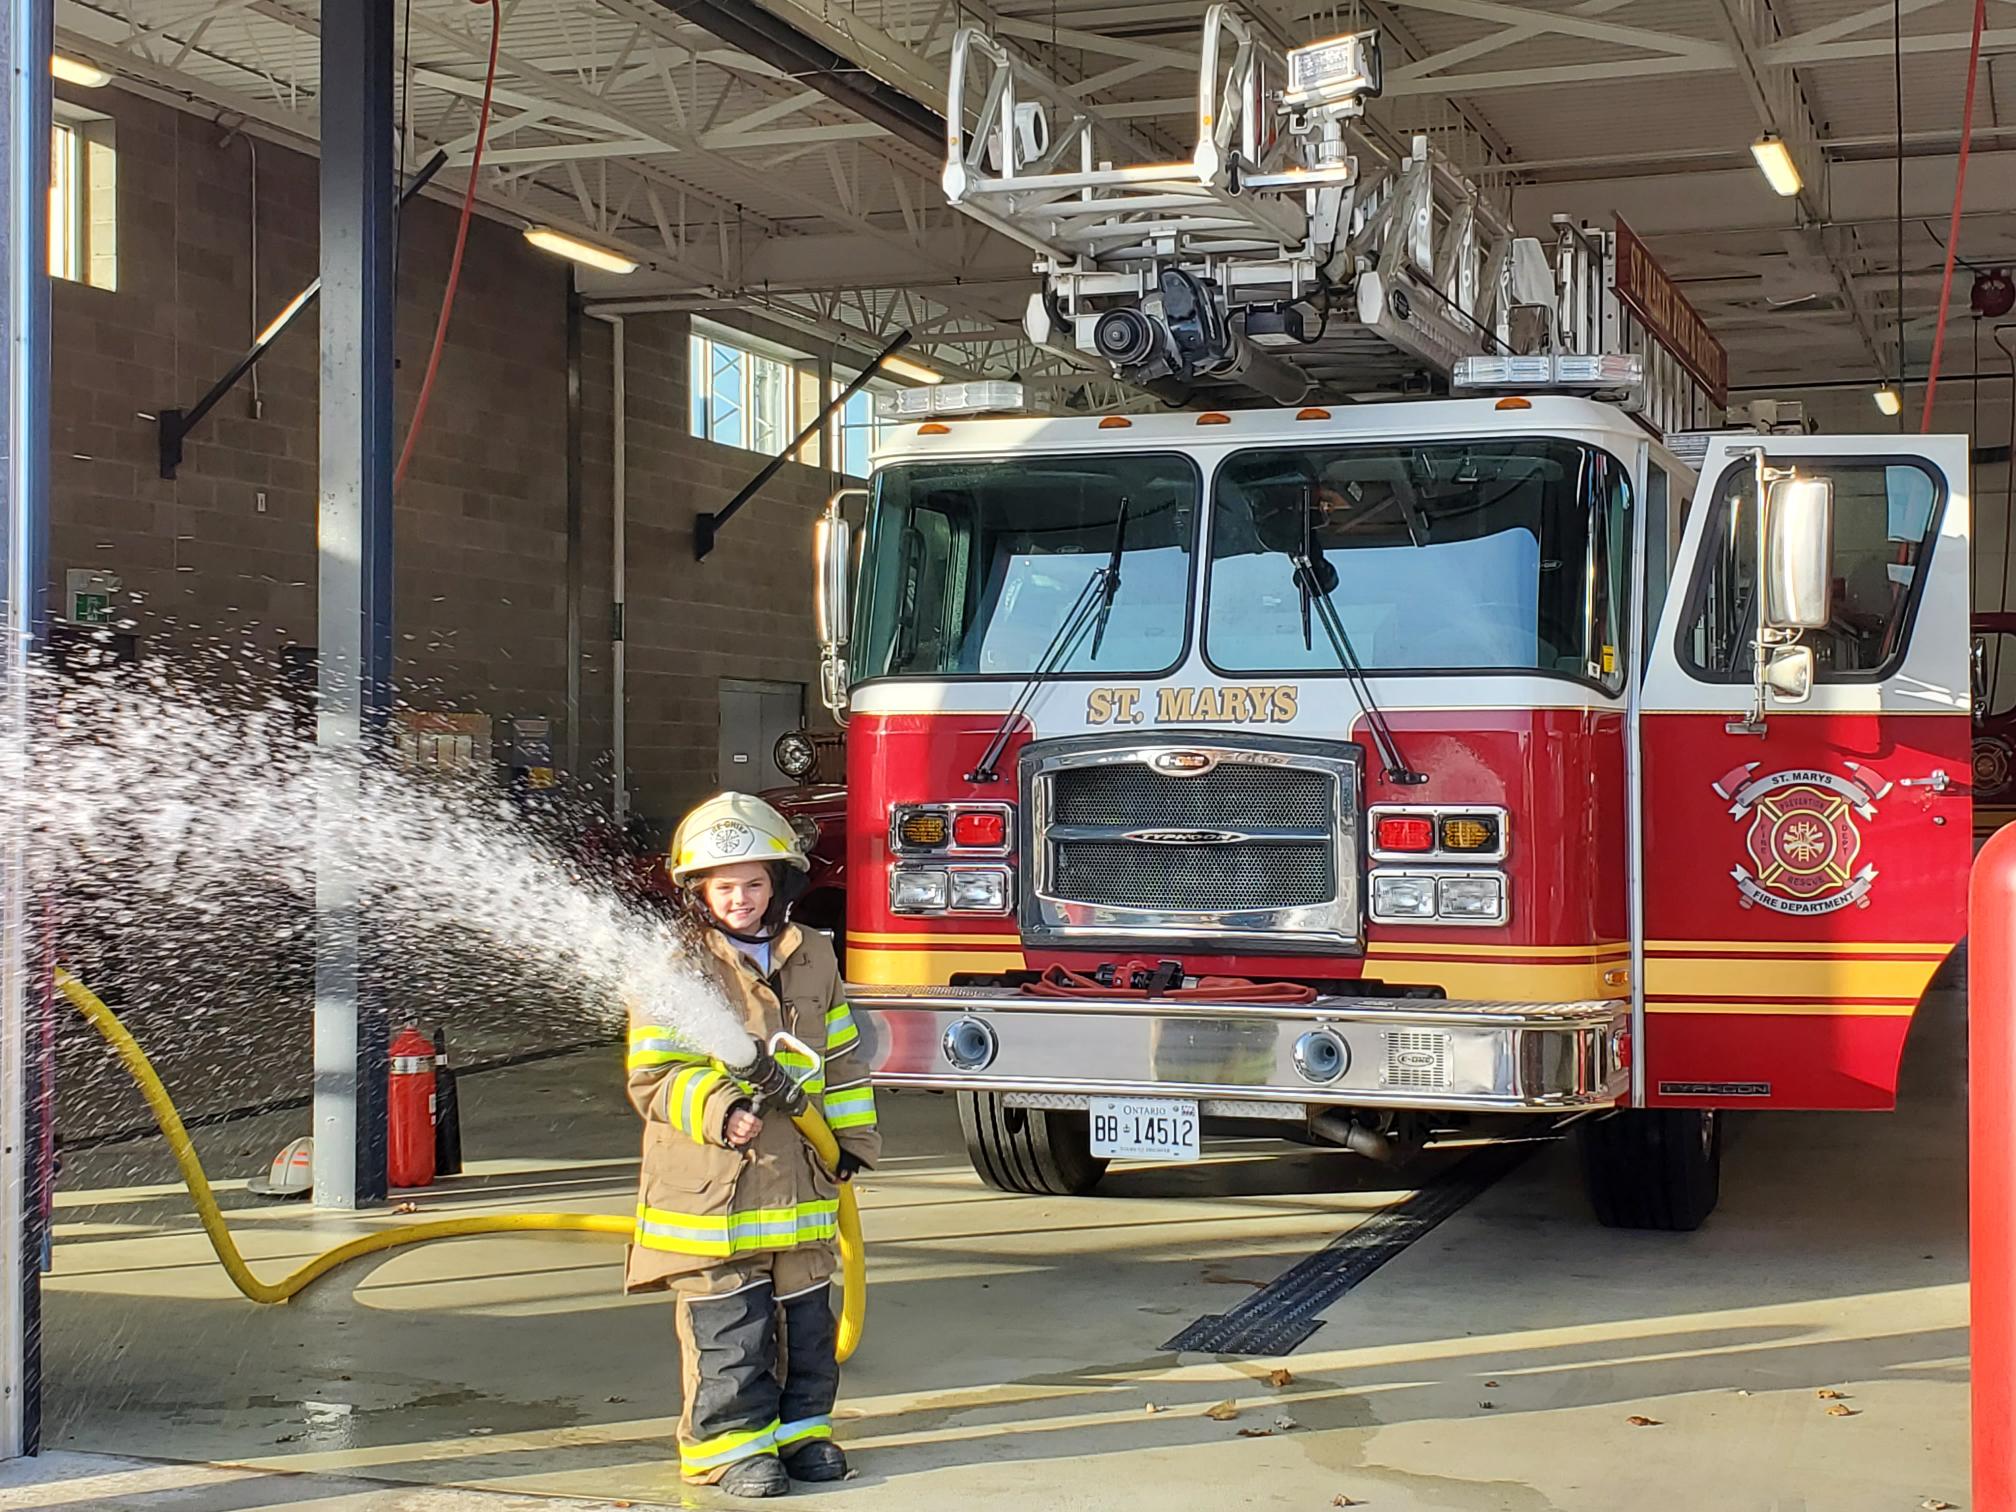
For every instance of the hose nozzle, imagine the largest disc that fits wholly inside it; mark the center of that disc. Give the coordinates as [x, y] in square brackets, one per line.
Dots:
[772, 1084]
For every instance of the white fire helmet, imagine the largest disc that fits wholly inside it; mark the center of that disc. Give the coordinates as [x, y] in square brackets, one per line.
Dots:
[292, 1173]
[730, 828]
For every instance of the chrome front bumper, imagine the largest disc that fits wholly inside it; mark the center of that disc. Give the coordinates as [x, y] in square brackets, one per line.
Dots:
[1399, 1053]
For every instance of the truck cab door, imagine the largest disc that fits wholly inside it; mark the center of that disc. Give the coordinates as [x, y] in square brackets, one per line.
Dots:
[1804, 857]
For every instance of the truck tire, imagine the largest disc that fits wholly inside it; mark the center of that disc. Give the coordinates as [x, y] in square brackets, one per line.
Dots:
[1041, 1153]
[1653, 1168]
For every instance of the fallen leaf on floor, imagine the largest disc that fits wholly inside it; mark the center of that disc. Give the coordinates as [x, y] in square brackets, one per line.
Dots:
[1837, 1410]
[1280, 1378]
[1256, 1433]
[1741, 1392]
[1151, 1407]
[1285, 1423]
[286, 1438]
[1492, 1384]
[407, 1207]
[1642, 1422]
[1224, 1412]
[852, 1475]
[1828, 1394]
[615, 1399]
[1933, 1504]
[1488, 1406]
[1341, 1500]
[482, 1430]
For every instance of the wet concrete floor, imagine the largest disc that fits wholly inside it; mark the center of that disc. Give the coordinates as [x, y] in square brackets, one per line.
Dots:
[1014, 1347]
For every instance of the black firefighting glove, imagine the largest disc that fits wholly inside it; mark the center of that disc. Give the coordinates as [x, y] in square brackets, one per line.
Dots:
[848, 1164]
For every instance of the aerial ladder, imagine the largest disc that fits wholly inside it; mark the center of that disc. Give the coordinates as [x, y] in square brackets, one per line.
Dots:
[1294, 256]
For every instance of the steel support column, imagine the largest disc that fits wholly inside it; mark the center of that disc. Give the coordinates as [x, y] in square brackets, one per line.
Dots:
[24, 449]
[355, 583]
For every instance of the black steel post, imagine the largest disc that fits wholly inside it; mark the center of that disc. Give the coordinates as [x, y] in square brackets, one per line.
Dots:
[354, 676]
[24, 472]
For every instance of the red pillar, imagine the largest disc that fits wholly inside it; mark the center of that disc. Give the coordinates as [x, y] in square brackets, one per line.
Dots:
[1991, 1141]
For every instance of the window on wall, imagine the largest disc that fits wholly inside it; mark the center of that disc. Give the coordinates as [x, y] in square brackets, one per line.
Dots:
[83, 198]
[741, 396]
[857, 429]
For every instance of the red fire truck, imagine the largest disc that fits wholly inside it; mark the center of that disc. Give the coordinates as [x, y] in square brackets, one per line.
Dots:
[1363, 770]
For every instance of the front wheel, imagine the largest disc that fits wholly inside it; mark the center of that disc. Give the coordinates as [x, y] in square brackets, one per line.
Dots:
[1041, 1152]
[1653, 1168]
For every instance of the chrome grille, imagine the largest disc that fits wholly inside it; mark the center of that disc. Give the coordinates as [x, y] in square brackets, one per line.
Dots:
[1232, 795]
[1259, 849]
[1417, 1059]
[1205, 878]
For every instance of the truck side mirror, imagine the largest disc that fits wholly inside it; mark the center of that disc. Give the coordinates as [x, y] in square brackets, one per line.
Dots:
[832, 611]
[1798, 553]
[1789, 673]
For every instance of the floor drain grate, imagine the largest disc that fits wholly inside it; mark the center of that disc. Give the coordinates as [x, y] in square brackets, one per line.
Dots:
[1282, 1314]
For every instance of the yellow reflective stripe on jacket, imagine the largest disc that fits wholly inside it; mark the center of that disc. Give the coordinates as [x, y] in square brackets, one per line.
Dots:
[651, 1046]
[840, 1030]
[724, 1234]
[726, 1448]
[686, 1099]
[851, 1109]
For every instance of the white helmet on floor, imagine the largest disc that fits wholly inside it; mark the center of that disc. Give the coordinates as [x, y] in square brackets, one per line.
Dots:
[730, 828]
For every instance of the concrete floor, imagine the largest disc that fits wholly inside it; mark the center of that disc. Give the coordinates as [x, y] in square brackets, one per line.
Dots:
[1013, 1349]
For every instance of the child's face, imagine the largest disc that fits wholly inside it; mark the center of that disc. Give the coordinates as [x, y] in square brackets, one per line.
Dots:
[738, 895]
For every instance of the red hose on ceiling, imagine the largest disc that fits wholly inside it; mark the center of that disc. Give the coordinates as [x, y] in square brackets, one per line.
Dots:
[1953, 226]
[455, 262]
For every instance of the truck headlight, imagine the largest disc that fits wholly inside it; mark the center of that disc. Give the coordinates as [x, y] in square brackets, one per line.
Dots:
[1402, 895]
[1477, 900]
[917, 889]
[980, 889]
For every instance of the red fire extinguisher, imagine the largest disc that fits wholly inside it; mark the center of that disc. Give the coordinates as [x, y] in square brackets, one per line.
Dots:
[409, 1111]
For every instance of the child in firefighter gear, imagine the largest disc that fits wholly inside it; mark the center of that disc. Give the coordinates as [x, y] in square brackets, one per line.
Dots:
[736, 1215]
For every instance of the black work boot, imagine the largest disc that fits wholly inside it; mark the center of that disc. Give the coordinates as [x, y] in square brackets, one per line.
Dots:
[820, 1460]
[759, 1475]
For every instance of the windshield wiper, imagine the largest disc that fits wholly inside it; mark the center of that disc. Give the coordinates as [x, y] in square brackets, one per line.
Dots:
[1315, 592]
[1092, 609]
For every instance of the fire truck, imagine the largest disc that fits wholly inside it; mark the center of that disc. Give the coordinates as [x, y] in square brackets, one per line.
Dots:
[1438, 719]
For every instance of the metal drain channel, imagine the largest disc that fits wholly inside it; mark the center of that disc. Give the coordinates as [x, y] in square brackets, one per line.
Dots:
[1282, 1314]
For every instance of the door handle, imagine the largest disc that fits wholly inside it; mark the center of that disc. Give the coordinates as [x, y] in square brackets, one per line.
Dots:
[1938, 782]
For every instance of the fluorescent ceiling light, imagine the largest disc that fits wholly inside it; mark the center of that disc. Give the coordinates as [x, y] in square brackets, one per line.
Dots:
[77, 71]
[1775, 158]
[903, 367]
[546, 239]
[1889, 401]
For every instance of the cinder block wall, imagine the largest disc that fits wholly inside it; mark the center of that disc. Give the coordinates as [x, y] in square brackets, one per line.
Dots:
[224, 555]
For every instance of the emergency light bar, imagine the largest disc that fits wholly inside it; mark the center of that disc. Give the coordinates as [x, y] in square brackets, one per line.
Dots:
[991, 396]
[1335, 71]
[1619, 373]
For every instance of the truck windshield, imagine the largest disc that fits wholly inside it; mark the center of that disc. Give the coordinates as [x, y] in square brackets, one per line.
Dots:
[973, 567]
[1495, 555]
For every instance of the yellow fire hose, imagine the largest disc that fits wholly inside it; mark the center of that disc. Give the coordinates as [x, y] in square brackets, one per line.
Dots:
[853, 1271]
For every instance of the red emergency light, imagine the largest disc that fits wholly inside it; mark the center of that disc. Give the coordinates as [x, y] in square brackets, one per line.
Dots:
[980, 831]
[1405, 832]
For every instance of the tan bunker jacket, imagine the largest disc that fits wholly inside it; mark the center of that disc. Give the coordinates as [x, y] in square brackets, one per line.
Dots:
[702, 1205]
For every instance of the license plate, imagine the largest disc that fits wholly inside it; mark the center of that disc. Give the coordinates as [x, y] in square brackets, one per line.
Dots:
[1144, 1128]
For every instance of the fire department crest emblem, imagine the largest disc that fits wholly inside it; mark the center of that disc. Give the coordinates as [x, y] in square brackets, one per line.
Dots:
[730, 837]
[1803, 843]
